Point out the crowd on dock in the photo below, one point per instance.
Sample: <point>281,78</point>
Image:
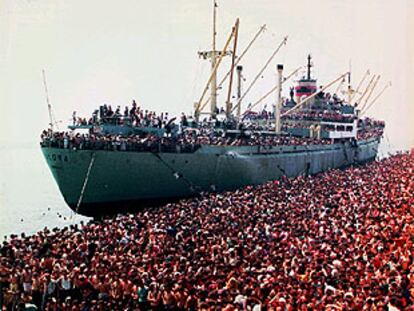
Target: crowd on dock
<point>341,240</point>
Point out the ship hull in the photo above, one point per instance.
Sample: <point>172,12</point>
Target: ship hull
<point>101,182</point>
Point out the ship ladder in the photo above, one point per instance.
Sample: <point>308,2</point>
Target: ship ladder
<point>346,160</point>
<point>85,182</point>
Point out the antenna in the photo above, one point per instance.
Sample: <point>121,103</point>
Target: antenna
<point>349,82</point>
<point>309,66</point>
<point>214,25</point>
<point>49,107</point>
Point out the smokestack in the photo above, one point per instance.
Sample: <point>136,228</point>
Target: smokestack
<point>239,70</point>
<point>278,104</point>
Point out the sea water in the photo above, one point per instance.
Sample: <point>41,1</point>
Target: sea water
<point>29,197</point>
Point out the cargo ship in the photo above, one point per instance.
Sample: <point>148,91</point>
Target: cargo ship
<point>118,161</point>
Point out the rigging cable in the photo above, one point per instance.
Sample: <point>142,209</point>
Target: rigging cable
<point>176,174</point>
<point>85,182</point>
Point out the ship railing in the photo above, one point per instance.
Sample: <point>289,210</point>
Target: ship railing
<point>116,120</point>
<point>155,147</point>
<point>308,118</point>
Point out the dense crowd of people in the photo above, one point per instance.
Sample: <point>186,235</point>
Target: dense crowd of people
<point>184,142</point>
<point>134,116</point>
<point>186,136</point>
<point>368,133</point>
<point>327,110</point>
<point>188,141</point>
<point>340,240</point>
<point>370,123</point>
<point>316,115</point>
<point>370,128</point>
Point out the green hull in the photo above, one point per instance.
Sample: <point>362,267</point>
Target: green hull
<point>119,178</point>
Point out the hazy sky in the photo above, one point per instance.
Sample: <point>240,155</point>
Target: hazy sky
<point>98,52</point>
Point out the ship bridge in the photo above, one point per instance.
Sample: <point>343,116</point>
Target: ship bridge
<point>338,130</point>
<point>306,86</point>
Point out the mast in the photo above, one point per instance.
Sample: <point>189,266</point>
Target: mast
<point>49,106</point>
<point>239,82</point>
<point>233,58</point>
<point>215,58</point>
<point>213,55</point>
<point>239,58</point>
<point>199,106</point>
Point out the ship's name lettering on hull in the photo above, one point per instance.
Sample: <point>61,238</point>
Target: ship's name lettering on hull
<point>57,157</point>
